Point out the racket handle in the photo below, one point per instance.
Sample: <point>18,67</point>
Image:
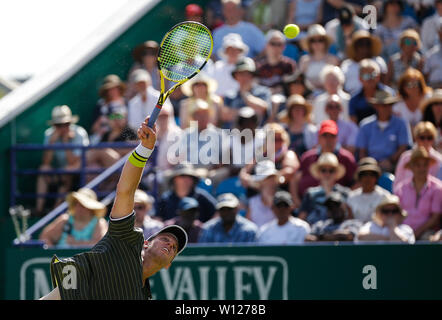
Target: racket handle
<point>154,116</point>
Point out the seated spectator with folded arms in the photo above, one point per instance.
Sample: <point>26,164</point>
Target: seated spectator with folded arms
<point>337,227</point>
<point>228,226</point>
<point>284,229</point>
<point>363,201</point>
<point>386,224</point>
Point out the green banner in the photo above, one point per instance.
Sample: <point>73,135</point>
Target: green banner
<point>266,273</point>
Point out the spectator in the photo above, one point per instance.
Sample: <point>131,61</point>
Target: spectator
<point>347,130</point>
<point>338,226</point>
<point>363,46</point>
<point>430,28</point>
<point>143,205</point>
<point>271,68</point>
<point>386,224</point>
<point>302,133</point>
<point>188,212</point>
<point>112,93</point>
<point>393,24</point>
<point>421,196</point>
<point>203,88</point>
<point>267,14</point>
<point>297,84</point>
<point>328,142</point>
<point>332,9</point>
<point>369,75</point>
<point>249,93</point>
<point>232,51</point>
<point>407,57</point>
<point>63,130</point>
<point>194,13</point>
<point>432,112</point>
<point>266,181</point>
<point>413,91</point>
<point>327,170</point>
<point>145,57</point>
<point>332,79</point>
<point>83,224</point>
<point>284,229</point>
<point>183,182</point>
<point>433,62</point>
<point>119,132</point>
<point>145,100</point>
<point>363,200</point>
<point>436,237</point>
<point>251,35</point>
<point>304,13</point>
<point>383,136</point>
<point>228,226</point>
<point>342,27</point>
<point>316,43</point>
<point>424,135</point>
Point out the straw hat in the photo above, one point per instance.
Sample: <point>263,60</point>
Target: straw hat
<point>376,43</point>
<point>383,97</point>
<point>111,81</point>
<point>419,153</point>
<point>295,100</point>
<point>368,164</point>
<point>327,159</point>
<point>211,84</point>
<point>62,114</point>
<point>186,169</point>
<point>88,199</point>
<point>410,33</point>
<point>436,97</point>
<point>391,199</point>
<point>315,30</point>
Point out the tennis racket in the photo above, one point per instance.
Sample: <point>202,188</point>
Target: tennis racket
<point>183,53</point>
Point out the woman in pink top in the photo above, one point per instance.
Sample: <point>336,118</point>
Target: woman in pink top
<point>421,196</point>
<point>424,134</point>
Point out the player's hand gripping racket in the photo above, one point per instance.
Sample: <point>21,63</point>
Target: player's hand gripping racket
<point>184,51</point>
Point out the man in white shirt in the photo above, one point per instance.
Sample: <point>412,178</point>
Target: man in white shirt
<point>363,201</point>
<point>142,104</point>
<point>285,229</point>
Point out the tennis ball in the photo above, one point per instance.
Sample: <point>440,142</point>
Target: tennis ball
<point>291,31</point>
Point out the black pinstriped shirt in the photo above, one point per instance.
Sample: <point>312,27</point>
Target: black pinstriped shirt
<point>111,270</point>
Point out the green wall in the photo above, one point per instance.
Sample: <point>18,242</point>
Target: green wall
<point>269,273</point>
<point>80,93</point>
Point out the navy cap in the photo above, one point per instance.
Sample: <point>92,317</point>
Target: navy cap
<point>188,203</point>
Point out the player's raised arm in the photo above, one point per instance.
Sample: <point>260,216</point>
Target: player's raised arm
<point>132,171</point>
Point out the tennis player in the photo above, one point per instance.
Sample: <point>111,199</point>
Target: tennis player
<point>120,264</point>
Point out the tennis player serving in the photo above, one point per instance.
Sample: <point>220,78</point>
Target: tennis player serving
<point>120,264</point>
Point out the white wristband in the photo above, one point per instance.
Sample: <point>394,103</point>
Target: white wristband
<point>143,151</point>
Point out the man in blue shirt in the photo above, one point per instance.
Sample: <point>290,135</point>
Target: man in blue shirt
<point>383,136</point>
<point>228,227</point>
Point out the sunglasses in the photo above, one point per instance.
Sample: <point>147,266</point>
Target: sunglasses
<point>117,116</point>
<point>390,211</point>
<point>369,76</point>
<point>410,42</point>
<point>412,84</point>
<point>325,170</point>
<point>313,40</point>
<point>428,138</point>
<point>62,125</point>
<point>282,205</point>
<point>368,174</point>
<point>276,44</point>
<point>139,207</point>
<point>333,106</point>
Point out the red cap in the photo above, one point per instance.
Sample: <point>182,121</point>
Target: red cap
<point>328,126</point>
<point>193,10</point>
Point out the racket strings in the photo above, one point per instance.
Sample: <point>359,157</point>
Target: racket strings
<point>184,51</point>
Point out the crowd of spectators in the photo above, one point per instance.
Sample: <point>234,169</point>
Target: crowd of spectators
<point>354,112</point>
